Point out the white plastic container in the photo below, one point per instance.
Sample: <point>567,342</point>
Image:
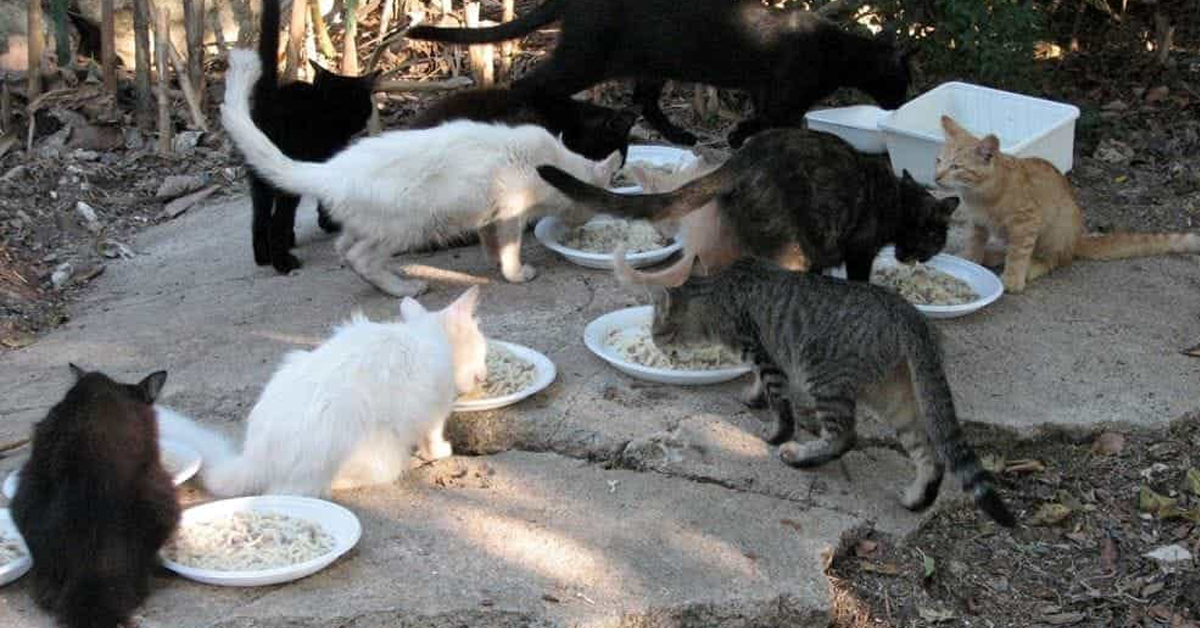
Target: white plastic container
<point>1026,126</point>
<point>858,125</point>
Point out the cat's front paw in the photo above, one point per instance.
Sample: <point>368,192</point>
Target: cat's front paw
<point>439,450</point>
<point>805,455</point>
<point>523,274</point>
<point>285,263</point>
<point>1013,283</point>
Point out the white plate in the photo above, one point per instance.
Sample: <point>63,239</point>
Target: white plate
<point>659,155</point>
<point>188,457</point>
<point>18,567</point>
<point>335,520</point>
<point>545,374</point>
<point>596,333</point>
<point>549,231</point>
<point>984,282</point>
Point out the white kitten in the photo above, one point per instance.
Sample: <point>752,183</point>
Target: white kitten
<point>349,412</point>
<point>405,189</point>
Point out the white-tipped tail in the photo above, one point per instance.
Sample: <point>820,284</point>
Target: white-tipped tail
<point>223,471</point>
<point>261,154</point>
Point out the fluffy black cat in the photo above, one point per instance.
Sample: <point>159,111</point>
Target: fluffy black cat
<point>588,129</point>
<point>94,503</point>
<point>786,58</point>
<point>311,122</point>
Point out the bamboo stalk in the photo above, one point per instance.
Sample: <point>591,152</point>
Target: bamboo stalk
<point>141,41</point>
<point>193,24</point>
<point>456,82</point>
<point>108,54</point>
<point>321,31</point>
<point>295,39</point>
<point>162,44</point>
<point>185,85</point>
<point>349,43</point>
<point>34,47</point>
<point>62,41</point>
<point>218,30</point>
<point>5,104</point>
<point>508,49</point>
<point>385,19</point>
<point>481,55</point>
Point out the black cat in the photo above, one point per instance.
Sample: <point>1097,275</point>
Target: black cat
<point>588,129</point>
<point>94,503</point>
<point>308,122</point>
<point>786,58</point>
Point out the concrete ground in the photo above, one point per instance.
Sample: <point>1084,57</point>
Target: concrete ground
<point>602,501</point>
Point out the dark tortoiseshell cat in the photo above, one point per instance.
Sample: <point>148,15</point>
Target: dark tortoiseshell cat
<point>819,342</point>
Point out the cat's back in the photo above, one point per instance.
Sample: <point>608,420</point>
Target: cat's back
<point>378,350</point>
<point>481,105</point>
<point>309,123</point>
<point>1042,180</point>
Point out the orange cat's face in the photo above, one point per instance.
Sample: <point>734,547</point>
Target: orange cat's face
<point>965,162</point>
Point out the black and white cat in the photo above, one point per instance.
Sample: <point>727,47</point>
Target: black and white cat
<point>306,121</point>
<point>787,59</point>
<point>405,189</point>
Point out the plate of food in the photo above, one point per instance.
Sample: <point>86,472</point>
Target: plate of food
<point>946,286</point>
<point>591,245</point>
<point>14,556</point>
<point>514,373</point>
<point>255,541</point>
<point>179,460</point>
<point>654,157</point>
<point>622,338</point>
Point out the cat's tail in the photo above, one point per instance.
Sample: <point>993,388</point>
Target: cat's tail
<point>645,206</point>
<point>941,423</point>
<point>297,177</point>
<point>268,50</point>
<point>223,471</point>
<point>1109,246</point>
<point>545,13</point>
<point>674,275</point>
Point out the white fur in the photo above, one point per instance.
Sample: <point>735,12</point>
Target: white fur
<point>349,412</point>
<point>404,189</point>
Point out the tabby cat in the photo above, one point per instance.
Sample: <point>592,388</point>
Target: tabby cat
<point>1029,201</point>
<point>821,342</point>
<point>804,199</point>
<point>786,58</point>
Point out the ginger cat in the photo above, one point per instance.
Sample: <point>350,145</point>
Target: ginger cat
<point>1033,206</point>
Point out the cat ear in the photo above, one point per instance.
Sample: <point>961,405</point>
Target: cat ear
<point>78,372</point>
<point>318,71</point>
<point>621,121</point>
<point>611,164</point>
<point>906,177</point>
<point>152,385</point>
<point>951,127</point>
<point>410,309</point>
<point>464,305</point>
<point>947,205</point>
<point>988,147</point>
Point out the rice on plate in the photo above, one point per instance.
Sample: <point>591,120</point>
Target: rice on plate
<point>10,549</point>
<point>636,345</point>
<point>506,374</point>
<point>922,284</point>
<point>603,236</point>
<point>248,541</point>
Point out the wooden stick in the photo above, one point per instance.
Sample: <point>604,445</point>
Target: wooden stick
<point>321,31</point>
<point>385,18</point>
<point>456,82</point>
<point>16,444</point>
<point>34,48</point>
<point>108,54</point>
<point>349,43</point>
<point>5,105</point>
<point>62,41</point>
<point>185,85</point>
<point>162,44</point>
<point>481,55</point>
<point>193,24</point>
<point>141,40</point>
<point>508,49</point>
<point>295,39</point>
<point>214,19</point>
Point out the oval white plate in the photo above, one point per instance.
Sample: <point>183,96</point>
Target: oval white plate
<point>596,332</point>
<point>18,567</point>
<point>545,374</point>
<point>549,231</point>
<point>984,282</point>
<point>335,520</point>
<point>188,457</point>
<point>658,155</point>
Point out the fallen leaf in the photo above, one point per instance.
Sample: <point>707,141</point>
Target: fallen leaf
<point>1170,554</point>
<point>1193,352</point>
<point>1049,514</point>
<point>17,339</point>
<point>1160,506</point>
<point>936,616</point>
<point>886,569</point>
<point>864,547</point>
<point>1157,93</point>
<point>1108,554</point>
<point>1192,480</point>
<point>1109,444</point>
<point>1063,619</point>
<point>1024,466</point>
<point>1152,588</point>
<point>993,463</point>
<point>550,598</point>
<point>1121,179</point>
<point>930,566</point>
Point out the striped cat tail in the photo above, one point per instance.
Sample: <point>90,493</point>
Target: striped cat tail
<point>941,423</point>
<point>639,206</point>
<point>1110,246</point>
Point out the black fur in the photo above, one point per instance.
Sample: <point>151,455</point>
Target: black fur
<point>94,503</point>
<point>786,58</point>
<point>310,122</point>
<point>590,130</point>
<point>794,189</point>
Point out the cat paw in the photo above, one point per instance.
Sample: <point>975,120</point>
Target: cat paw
<point>526,273</point>
<point>1012,283</point>
<point>805,455</point>
<point>437,451</point>
<point>285,263</point>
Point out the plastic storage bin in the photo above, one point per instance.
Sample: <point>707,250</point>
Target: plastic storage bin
<point>858,125</point>
<point>1026,126</point>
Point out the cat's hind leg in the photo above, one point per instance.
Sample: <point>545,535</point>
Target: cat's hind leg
<point>433,444</point>
<point>380,459</point>
<point>262,199</point>
<point>646,93</point>
<point>508,235</point>
<point>283,234</point>
<point>370,258</point>
<point>895,401</point>
<point>835,406</point>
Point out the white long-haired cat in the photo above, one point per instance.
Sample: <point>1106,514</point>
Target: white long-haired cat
<point>404,189</point>
<point>350,412</point>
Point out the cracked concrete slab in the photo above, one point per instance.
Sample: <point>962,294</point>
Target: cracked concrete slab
<point>1096,342</point>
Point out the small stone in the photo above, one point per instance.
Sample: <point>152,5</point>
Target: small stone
<point>1170,554</point>
<point>89,216</point>
<point>61,275</point>
<point>185,142</point>
<point>1116,105</point>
